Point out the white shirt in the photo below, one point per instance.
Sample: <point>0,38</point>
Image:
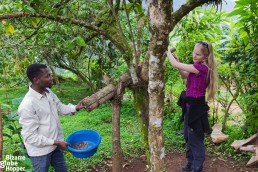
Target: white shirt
<point>40,122</point>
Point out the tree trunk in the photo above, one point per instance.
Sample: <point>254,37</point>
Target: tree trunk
<point>117,154</point>
<point>226,114</point>
<point>142,106</point>
<point>159,22</point>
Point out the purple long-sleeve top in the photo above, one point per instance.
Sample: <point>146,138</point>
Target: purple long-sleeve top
<point>196,83</point>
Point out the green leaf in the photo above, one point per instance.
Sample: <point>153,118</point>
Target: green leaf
<point>235,12</point>
<point>7,7</point>
<point>138,8</point>
<point>80,41</point>
<point>243,2</point>
<point>129,6</point>
<point>30,9</point>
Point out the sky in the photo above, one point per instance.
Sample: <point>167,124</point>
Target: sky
<point>227,5</point>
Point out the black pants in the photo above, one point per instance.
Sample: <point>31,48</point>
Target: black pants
<point>195,149</point>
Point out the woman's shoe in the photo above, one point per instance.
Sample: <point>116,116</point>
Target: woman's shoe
<point>186,167</point>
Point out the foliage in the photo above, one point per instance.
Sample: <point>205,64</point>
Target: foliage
<point>69,47</point>
<point>199,24</point>
<point>242,57</point>
<point>12,133</point>
<point>86,52</point>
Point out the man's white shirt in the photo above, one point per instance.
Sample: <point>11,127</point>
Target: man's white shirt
<point>40,122</point>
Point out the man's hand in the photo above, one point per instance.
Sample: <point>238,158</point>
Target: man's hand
<point>62,144</point>
<point>79,106</point>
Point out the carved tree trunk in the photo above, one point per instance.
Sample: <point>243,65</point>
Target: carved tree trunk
<point>117,154</point>
<point>159,22</point>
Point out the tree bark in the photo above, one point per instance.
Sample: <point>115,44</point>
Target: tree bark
<point>117,154</point>
<point>141,97</point>
<point>159,21</point>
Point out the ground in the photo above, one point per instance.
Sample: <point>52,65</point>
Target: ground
<point>176,159</point>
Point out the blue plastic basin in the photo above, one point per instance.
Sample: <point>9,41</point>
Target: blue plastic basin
<point>91,136</point>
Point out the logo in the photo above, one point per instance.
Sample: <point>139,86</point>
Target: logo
<point>11,163</point>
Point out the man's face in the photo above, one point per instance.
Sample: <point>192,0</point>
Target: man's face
<point>44,80</point>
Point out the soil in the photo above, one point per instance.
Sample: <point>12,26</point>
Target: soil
<point>175,160</point>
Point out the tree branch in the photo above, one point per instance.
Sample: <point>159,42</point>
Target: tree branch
<point>188,7</point>
<point>61,19</point>
<point>131,31</point>
<point>113,38</point>
<point>109,33</point>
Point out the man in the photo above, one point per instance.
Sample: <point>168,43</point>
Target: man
<point>41,129</point>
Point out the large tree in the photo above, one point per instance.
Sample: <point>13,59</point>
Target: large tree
<point>125,25</point>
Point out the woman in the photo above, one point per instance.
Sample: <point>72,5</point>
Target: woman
<point>201,76</point>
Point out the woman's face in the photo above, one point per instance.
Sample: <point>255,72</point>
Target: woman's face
<point>198,55</point>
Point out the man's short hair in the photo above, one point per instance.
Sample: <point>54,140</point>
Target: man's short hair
<point>34,70</point>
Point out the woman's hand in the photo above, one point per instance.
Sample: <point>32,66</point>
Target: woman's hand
<point>173,59</point>
<point>175,56</point>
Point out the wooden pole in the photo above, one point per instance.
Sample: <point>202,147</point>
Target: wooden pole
<point>117,153</point>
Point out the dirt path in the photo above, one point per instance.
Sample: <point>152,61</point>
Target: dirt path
<point>212,164</point>
<point>175,160</point>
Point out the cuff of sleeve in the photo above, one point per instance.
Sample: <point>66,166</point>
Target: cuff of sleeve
<point>73,108</point>
<point>50,142</point>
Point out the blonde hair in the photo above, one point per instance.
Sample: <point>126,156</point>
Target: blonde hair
<point>210,61</point>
